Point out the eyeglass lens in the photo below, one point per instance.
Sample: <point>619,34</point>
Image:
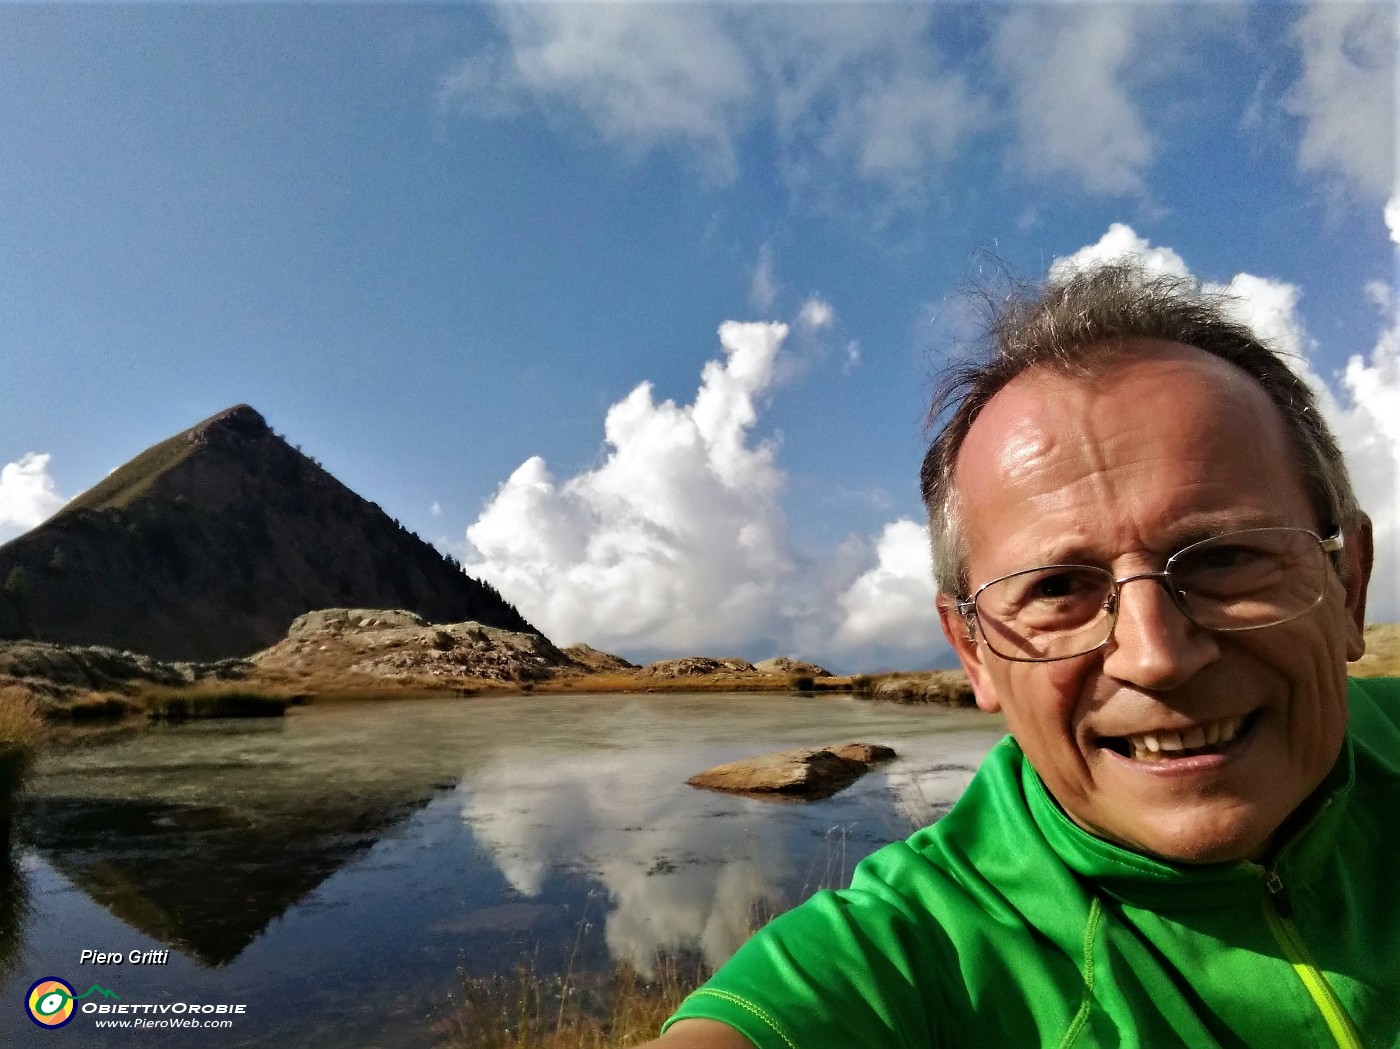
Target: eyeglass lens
<point>1239,581</point>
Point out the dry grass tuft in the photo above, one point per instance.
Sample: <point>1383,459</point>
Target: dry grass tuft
<point>1382,658</point>
<point>21,733</point>
<point>527,1011</point>
<point>21,723</point>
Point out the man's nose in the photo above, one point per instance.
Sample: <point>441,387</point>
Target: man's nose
<point>1154,646</point>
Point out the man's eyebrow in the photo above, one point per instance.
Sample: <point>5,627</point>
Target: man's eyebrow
<point>1191,528</point>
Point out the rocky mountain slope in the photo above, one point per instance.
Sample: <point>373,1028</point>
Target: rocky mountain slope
<point>207,546</point>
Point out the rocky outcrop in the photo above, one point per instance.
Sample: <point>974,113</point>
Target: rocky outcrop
<point>790,668</point>
<point>59,670</point>
<point>697,666</point>
<point>398,645</point>
<point>803,773</point>
<point>594,661</point>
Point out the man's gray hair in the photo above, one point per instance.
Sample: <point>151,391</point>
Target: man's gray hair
<point>1076,325</point>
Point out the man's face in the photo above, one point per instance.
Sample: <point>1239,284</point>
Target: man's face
<point>1170,447</point>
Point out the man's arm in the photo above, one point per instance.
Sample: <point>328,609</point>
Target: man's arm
<point>699,1034</point>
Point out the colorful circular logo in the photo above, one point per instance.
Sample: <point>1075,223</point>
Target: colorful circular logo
<point>50,1002</point>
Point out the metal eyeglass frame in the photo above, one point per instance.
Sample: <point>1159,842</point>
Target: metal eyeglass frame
<point>968,608</point>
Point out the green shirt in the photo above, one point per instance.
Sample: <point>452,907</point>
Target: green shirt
<point>1005,924</point>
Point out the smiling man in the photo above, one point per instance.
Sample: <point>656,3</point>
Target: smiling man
<point>1150,560</point>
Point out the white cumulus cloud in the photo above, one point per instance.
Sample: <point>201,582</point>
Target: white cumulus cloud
<point>1119,243</point>
<point>890,604</point>
<point>28,494</point>
<point>675,541</point>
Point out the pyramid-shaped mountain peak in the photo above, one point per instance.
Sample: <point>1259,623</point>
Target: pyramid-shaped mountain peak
<point>208,544</point>
<point>241,420</point>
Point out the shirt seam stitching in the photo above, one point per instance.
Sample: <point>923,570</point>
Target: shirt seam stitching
<point>734,999</point>
<point>1086,1002</point>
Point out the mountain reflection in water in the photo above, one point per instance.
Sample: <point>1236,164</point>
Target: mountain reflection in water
<point>336,869</point>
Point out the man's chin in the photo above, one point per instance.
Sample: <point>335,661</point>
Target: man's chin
<point>1200,838</point>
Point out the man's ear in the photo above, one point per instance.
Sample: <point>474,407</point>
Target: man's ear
<point>962,635</point>
<point>1358,555</point>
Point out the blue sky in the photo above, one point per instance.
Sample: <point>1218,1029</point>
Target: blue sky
<point>442,248</point>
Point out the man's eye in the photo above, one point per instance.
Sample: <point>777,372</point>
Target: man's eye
<point>1056,586</point>
<point>1225,558</point>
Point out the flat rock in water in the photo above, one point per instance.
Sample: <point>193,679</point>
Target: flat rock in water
<point>807,772</point>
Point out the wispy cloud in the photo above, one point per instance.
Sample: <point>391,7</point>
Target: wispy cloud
<point>845,93</point>
<point>884,96</point>
<point>1067,68</point>
<point>763,286</point>
<point>1346,94</point>
<point>28,495</point>
<point>816,314</point>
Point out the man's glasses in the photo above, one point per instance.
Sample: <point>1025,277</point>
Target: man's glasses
<point>1238,581</point>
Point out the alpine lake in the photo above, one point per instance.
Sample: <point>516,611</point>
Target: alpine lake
<point>341,871</point>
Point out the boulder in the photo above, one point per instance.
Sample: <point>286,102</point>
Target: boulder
<point>865,753</point>
<point>782,666</point>
<point>808,772</point>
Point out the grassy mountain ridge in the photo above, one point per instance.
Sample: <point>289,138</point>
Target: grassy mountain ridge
<point>208,544</point>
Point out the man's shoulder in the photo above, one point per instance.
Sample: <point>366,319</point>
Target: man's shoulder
<point>987,847</point>
<point>1374,724</point>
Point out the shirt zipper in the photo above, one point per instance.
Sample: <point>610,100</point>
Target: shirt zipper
<point>1279,913</point>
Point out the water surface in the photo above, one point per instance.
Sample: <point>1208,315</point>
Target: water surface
<point>338,871</point>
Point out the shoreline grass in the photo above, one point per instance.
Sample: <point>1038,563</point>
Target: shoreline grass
<point>21,735</point>
<point>187,704</point>
<point>527,1010</point>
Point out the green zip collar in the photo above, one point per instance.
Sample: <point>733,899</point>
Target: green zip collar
<point>1143,881</point>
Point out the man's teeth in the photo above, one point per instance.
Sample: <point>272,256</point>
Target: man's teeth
<point>1154,746</point>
